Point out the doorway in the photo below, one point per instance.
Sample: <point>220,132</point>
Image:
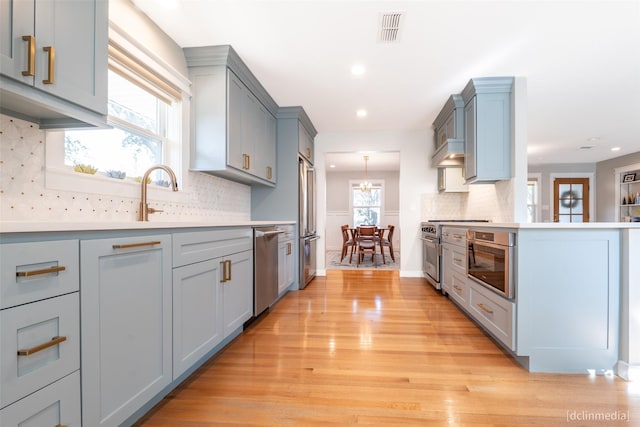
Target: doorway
<point>344,173</point>
<point>571,200</point>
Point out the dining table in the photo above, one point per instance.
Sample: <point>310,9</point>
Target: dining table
<point>378,237</point>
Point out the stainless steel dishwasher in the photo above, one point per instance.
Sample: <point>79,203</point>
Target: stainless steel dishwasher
<point>265,276</point>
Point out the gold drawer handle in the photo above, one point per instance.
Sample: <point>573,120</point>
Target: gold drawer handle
<point>31,56</point>
<point>308,153</point>
<point>458,260</point>
<point>40,272</point>
<point>246,162</point>
<point>32,350</point>
<point>226,271</point>
<point>136,245</point>
<point>61,425</point>
<point>457,288</point>
<point>269,172</point>
<point>51,64</point>
<point>485,309</point>
<point>288,248</point>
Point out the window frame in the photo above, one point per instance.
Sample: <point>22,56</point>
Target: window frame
<point>59,176</point>
<point>375,183</point>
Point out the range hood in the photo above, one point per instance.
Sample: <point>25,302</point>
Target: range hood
<point>449,134</point>
<point>450,154</point>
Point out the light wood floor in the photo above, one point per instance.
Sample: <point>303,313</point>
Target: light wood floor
<point>360,347</point>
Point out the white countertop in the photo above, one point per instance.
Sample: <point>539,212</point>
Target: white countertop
<point>43,226</point>
<point>545,225</point>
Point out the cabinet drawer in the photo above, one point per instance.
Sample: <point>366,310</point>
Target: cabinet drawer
<point>31,328</point>
<point>38,270</point>
<point>454,236</point>
<point>459,289</point>
<point>192,247</point>
<point>495,313</point>
<point>55,405</point>
<point>288,233</point>
<point>458,260</point>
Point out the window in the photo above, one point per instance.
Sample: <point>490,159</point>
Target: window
<point>532,200</point>
<point>366,206</point>
<point>142,134</point>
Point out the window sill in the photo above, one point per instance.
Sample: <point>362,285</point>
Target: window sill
<point>66,179</point>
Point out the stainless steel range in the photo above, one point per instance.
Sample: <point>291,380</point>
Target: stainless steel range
<point>430,234</point>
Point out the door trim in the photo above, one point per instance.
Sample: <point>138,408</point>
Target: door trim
<point>592,196</point>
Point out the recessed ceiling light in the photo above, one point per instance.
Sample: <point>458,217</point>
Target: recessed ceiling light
<point>615,149</point>
<point>361,113</point>
<point>358,70</point>
<point>332,166</point>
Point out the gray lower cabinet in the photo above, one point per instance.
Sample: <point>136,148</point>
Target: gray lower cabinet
<point>492,312</point>
<point>487,129</point>
<point>286,259</point>
<point>212,291</point>
<point>39,334</point>
<point>233,124</point>
<point>126,325</point>
<point>53,61</point>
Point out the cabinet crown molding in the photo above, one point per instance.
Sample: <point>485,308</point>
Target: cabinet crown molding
<point>226,56</point>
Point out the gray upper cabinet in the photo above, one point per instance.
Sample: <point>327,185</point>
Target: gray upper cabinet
<point>233,125</point>
<point>448,129</point>
<point>488,129</point>
<point>305,143</point>
<point>53,61</point>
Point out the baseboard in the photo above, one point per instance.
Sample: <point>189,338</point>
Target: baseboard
<point>628,372</point>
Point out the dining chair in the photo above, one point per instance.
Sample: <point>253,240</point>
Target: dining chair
<point>348,242</point>
<point>366,243</point>
<point>388,242</point>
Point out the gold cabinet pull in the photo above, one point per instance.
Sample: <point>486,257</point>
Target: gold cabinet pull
<point>51,64</point>
<point>31,56</point>
<point>61,425</point>
<point>136,245</point>
<point>40,272</point>
<point>246,162</point>
<point>32,350</point>
<point>308,153</point>
<point>485,309</point>
<point>269,172</point>
<point>288,248</point>
<point>457,288</point>
<point>226,271</point>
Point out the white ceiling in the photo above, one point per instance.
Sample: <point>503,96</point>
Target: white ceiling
<point>581,60</point>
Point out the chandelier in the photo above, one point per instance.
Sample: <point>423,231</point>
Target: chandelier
<point>365,186</point>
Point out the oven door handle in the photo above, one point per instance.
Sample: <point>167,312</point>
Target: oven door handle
<point>473,242</point>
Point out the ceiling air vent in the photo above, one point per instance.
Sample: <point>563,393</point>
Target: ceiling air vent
<point>390,27</point>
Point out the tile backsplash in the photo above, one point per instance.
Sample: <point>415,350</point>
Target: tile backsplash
<point>483,201</point>
<point>25,197</point>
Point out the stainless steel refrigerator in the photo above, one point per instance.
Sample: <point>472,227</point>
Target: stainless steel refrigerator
<point>307,221</point>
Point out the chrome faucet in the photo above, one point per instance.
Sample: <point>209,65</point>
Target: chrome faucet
<point>145,210</point>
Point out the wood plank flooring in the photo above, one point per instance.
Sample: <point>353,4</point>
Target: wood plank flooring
<point>370,348</point>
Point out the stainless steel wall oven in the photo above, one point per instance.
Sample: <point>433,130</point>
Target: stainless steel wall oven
<point>490,260</point>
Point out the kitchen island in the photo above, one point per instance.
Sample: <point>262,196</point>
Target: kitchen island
<point>575,294</point>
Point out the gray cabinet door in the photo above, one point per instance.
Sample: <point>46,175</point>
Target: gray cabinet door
<point>237,290</point>
<point>236,150</point>
<point>125,300</point>
<point>16,21</point>
<point>197,313</point>
<point>470,139</point>
<point>69,56</point>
